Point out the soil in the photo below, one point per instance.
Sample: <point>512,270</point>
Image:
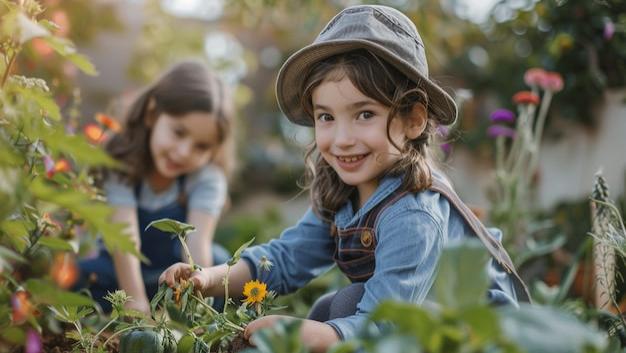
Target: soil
<point>60,344</point>
<point>236,345</point>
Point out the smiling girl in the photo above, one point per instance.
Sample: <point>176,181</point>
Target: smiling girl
<point>176,150</point>
<point>380,210</point>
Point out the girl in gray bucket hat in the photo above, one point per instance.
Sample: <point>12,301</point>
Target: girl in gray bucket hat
<point>380,212</point>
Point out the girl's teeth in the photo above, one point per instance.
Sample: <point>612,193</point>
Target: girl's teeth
<point>350,159</point>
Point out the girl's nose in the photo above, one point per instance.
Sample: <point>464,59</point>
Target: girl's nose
<point>184,149</point>
<point>344,136</point>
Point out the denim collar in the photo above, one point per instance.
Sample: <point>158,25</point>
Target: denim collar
<point>346,217</point>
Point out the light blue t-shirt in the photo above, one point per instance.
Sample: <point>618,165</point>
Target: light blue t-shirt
<point>206,189</point>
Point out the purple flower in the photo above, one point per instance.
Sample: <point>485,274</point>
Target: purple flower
<point>446,148</point>
<point>33,342</point>
<point>443,130</point>
<point>500,130</point>
<point>609,29</point>
<point>502,116</point>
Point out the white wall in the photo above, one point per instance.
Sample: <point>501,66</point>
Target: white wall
<point>567,166</point>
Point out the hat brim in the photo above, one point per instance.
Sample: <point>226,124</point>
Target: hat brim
<point>441,105</point>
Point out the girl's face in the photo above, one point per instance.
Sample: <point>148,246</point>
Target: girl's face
<point>351,134</point>
<point>182,144</point>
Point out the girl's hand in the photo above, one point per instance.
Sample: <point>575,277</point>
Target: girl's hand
<point>261,323</point>
<point>202,280</point>
<point>315,335</point>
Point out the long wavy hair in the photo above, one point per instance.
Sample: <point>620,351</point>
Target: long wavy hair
<point>186,87</point>
<point>384,83</point>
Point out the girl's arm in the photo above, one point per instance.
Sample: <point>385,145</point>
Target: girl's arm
<point>199,242</point>
<point>127,266</point>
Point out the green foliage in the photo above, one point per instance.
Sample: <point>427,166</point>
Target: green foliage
<point>48,196</point>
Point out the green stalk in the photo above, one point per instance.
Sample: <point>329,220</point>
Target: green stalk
<point>182,238</point>
<point>226,288</point>
<point>5,75</point>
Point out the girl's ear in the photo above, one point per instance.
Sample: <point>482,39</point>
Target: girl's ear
<point>415,122</point>
<point>150,114</point>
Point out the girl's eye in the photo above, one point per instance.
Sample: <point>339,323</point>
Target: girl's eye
<point>179,133</point>
<point>325,117</point>
<point>366,115</point>
<point>203,147</point>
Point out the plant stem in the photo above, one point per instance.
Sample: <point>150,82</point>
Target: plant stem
<point>181,238</point>
<point>226,288</point>
<point>7,71</point>
<point>95,338</point>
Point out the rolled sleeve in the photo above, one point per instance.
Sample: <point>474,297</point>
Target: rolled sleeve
<point>408,250</point>
<point>300,254</point>
<point>207,190</point>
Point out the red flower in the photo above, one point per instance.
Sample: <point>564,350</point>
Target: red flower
<point>41,47</point>
<point>526,97</point>
<point>63,270</point>
<point>535,76</point>
<point>93,133</point>
<point>553,82</point>
<point>108,122</point>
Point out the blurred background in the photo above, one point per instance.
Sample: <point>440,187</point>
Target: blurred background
<point>477,49</point>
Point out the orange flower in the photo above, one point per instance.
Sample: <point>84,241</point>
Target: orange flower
<point>109,122</point>
<point>64,271</point>
<point>526,97</point>
<point>62,166</point>
<point>94,133</point>
<point>22,307</point>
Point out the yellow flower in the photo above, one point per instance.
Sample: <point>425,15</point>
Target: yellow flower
<point>254,291</point>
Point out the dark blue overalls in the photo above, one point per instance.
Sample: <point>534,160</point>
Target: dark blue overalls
<point>98,274</point>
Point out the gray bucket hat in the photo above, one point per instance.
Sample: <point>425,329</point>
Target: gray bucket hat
<point>382,30</point>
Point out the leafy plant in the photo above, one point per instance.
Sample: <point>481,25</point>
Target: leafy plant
<point>48,197</point>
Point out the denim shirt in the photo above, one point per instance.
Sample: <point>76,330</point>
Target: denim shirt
<point>410,235</point>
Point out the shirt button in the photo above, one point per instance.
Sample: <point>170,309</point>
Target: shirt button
<point>366,238</point>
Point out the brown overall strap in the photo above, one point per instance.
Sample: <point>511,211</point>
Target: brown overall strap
<point>494,247</point>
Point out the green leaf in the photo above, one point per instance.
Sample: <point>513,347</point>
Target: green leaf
<point>43,100</point>
<point>462,275</point>
<point>237,255</point>
<point>55,243</point>
<point>540,329</point>
<point>83,63</point>
<point>46,293</point>
<point>7,257</point>
<point>17,233</point>
<point>483,321</point>
<point>171,226</point>
<point>407,318</point>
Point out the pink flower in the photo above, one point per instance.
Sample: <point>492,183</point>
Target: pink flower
<point>534,77</point>
<point>553,82</point>
<point>33,342</point>
<point>609,29</point>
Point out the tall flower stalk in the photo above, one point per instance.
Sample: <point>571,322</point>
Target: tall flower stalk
<point>517,148</point>
<point>609,244</point>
